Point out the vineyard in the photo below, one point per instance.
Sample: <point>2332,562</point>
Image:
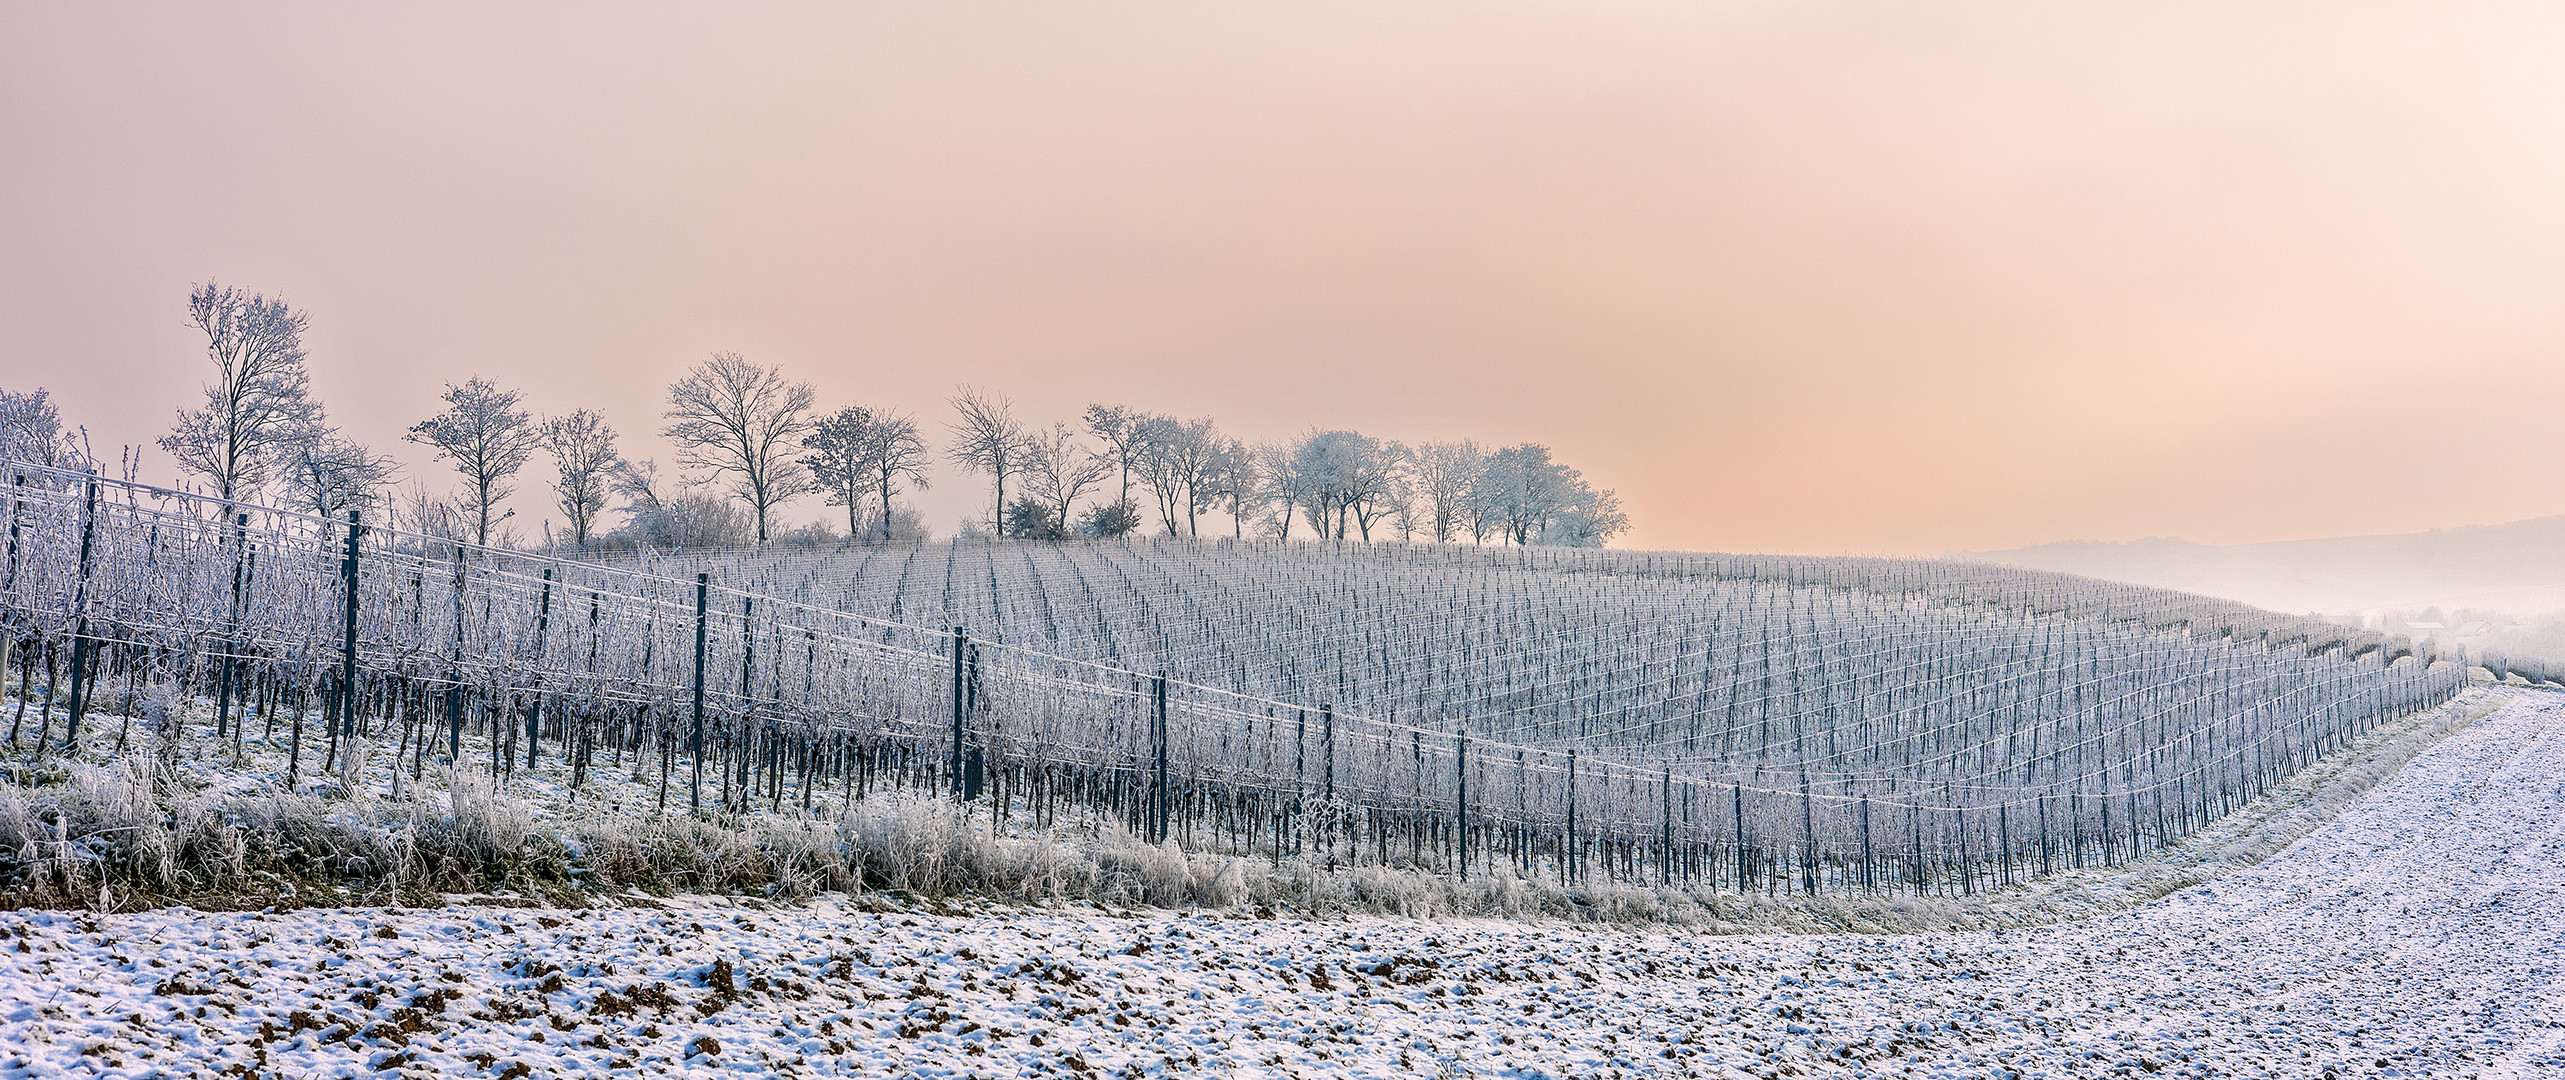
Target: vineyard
<point>1800,724</point>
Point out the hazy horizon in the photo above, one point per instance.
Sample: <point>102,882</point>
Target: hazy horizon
<point>1821,279</point>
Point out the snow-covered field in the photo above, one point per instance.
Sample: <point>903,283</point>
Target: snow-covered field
<point>2417,935</point>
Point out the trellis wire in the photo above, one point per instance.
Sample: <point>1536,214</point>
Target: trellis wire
<point>1814,725</point>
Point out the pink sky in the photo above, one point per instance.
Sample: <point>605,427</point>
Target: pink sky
<point>1866,277</point>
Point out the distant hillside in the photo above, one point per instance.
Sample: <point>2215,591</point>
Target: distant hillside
<point>2517,568</point>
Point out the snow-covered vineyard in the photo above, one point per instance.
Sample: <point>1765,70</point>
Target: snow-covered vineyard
<point>2417,935</point>
<point>1819,725</point>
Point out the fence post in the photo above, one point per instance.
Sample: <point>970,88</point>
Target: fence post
<point>695,743</point>
<point>974,757</point>
<point>1158,741</point>
<point>1461,802</point>
<point>1737,791</point>
<point>347,641</point>
<point>1327,780</point>
<point>1869,878</point>
<point>747,651</point>
<point>454,693</point>
<point>1521,833</point>
<point>1298,820</point>
<point>961,641</point>
<point>2004,839</point>
<point>1567,859</point>
<point>1327,748</point>
<point>1959,824</point>
<point>80,632</point>
<point>1665,827</point>
<point>2045,848</point>
<point>542,631</point>
<point>1807,836</point>
<point>1915,827</point>
<point>231,627</point>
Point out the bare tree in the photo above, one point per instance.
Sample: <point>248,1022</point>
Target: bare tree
<point>1590,518</point>
<point>31,431</point>
<point>1237,476</point>
<point>1156,436</point>
<point>1445,473</point>
<point>1535,500</point>
<point>1484,510</point>
<point>1313,465</point>
<point>329,476</point>
<point>585,464</point>
<point>839,468</point>
<point>857,453</point>
<point>737,420</point>
<point>1285,485</point>
<point>488,439</point>
<point>1395,501</point>
<point>1521,491</point>
<point>1375,484</point>
<point>1125,440</point>
<point>259,403</point>
<point>639,484</point>
<point>897,452</point>
<point>1178,464</point>
<point>1059,472</point>
<point>987,438</point>
<point>1346,481</point>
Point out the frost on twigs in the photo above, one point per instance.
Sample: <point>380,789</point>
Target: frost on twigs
<point>213,841</point>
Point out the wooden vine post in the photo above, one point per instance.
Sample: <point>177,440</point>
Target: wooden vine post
<point>1461,802</point>
<point>231,626</point>
<point>534,707</point>
<point>695,742</point>
<point>1665,827</point>
<point>1568,863</point>
<point>347,639</point>
<point>961,644</point>
<point>454,689</point>
<point>1158,745</point>
<point>80,631</point>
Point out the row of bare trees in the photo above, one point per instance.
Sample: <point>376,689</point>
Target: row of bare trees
<point>749,440</point>
<point>1339,484</point>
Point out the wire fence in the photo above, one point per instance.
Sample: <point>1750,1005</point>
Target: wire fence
<point>1819,725</point>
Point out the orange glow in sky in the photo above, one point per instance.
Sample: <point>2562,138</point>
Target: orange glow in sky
<point>1857,277</point>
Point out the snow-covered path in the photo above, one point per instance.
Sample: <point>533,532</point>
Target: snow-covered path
<point>2417,935</point>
